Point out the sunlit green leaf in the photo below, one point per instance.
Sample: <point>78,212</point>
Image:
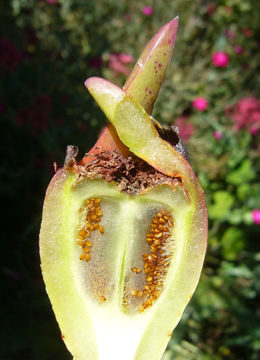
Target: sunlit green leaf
<point>232,243</point>
<point>223,201</point>
<point>243,174</point>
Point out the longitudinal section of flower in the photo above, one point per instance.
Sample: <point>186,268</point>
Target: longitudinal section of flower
<point>130,262</point>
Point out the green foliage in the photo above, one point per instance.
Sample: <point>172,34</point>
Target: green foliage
<point>47,51</point>
<point>243,174</point>
<point>232,243</point>
<point>223,201</point>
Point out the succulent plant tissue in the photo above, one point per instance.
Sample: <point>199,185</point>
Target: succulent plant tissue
<point>124,230</point>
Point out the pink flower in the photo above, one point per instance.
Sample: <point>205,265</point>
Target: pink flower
<point>256,216</point>
<point>200,103</point>
<point>230,34</point>
<point>246,113</point>
<point>254,129</point>
<point>147,10</point>
<point>125,58</point>
<point>248,104</point>
<point>52,2</point>
<point>220,59</point>
<point>238,49</point>
<point>217,135</point>
<point>118,62</point>
<point>185,127</point>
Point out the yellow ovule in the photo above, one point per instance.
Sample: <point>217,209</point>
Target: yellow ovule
<point>156,260</point>
<point>93,214</point>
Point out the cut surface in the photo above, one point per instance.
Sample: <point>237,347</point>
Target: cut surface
<point>113,261</point>
<point>146,253</point>
<point>131,174</point>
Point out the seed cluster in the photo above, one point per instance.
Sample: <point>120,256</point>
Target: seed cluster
<point>93,214</point>
<point>136,270</point>
<point>157,261</point>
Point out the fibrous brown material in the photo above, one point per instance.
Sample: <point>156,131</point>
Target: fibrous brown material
<point>132,174</point>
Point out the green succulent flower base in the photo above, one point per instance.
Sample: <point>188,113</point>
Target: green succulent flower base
<point>93,329</point>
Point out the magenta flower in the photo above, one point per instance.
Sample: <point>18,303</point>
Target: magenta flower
<point>254,129</point>
<point>238,49</point>
<point>220,59</point>
<point>117,65</point>
<point>256,216</point>
<point>147,10</point>
<point>185,127</point>
<point>217,135</point>
<point>52,2</point>
<point>246,113</point>
<point>125,58</point>
<point>200,103</point>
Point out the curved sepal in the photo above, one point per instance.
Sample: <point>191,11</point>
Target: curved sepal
<point>145,80</point>
<point>143,83</point>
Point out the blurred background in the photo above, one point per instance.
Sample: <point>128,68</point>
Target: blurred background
<point>47,49</point>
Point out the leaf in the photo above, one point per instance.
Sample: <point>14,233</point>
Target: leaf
<point>232,243</point>
<point>243,174</point>
<point>243,191</point>
<point>223,201</point>
<point>238,271</point>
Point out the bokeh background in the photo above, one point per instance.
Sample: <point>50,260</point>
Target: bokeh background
<point>47,49</point>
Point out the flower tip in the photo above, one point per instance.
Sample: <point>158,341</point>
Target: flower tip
<point>89,82</point>
<point>174,21</point>
<point>169,30</point>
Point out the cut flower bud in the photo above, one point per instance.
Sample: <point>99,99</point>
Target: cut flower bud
<point>124,230</point>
